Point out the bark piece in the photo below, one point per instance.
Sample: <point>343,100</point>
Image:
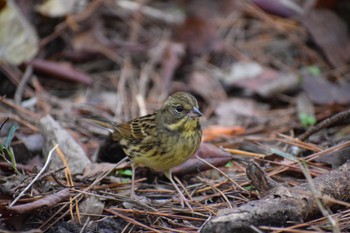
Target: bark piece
<point>259,178</point>
<point>46,202</point>
<point>284,205</point>
<point>53,133</point>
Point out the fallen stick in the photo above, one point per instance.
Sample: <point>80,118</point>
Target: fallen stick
<point>283,205</point>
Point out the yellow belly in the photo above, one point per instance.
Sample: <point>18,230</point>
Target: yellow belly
<point>176,152</point>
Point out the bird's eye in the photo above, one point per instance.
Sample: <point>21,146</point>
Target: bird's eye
<point>179,108</point>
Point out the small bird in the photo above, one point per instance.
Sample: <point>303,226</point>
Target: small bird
<point>161,140</point>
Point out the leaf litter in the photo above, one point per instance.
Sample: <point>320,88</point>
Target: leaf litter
<point>246,66</point>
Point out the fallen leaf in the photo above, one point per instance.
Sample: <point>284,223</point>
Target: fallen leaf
<point>60,71</point>
<point>56,8</point>
<point>210,87</point>
<point>335,159</point>
<point>199,34</point>
<point>264,81</point>
<point>323,92</point>
<point>91,208</point>
<point>330,33</point>
<point>210,153</point>
<point>18,40</point>
<point>284,8</point>
<point>236,111</point>
<point>218,131</point>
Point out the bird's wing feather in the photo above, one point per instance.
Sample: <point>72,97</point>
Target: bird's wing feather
<point>100,121</point>
<point>137,129</point>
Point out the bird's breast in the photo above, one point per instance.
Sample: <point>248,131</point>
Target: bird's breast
<point>170,151</point>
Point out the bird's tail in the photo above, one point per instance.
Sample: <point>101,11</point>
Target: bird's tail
<point>101,121</point>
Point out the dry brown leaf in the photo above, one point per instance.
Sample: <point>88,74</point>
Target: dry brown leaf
<point>264,81</point>
<point>210,153</point>
<point>218,131</point>
<point>236,111</point>
<point>322,91</point>
<point>61,71</point>
<point>331,34</point>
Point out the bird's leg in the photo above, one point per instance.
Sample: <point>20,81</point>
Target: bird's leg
<point>143,201</point>
<point>183,199</point>
<point>133,195</point>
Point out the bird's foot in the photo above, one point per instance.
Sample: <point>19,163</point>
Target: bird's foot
<point>184,201</point>
<point>139,199</point>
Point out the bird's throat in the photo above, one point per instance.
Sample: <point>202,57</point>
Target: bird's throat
<point>184,124</point>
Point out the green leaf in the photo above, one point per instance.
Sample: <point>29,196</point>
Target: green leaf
<point>12,159</point>
<point>125,180</point>
<point>314,70</point>
<point>126,172</point>
<point>229,164</point>
<point>10,135</point>
<point>6,150</point>
<point>307,120</point>
<point>249,188</point>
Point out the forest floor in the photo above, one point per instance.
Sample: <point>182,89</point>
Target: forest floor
<point>263,76</point>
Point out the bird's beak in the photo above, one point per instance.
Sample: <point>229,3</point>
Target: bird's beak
<point>194,113</point>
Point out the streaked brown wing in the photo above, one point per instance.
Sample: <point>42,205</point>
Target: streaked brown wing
<point>138,129</point>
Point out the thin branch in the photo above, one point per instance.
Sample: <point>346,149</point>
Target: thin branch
<point>325,123</point>
<point>47,164</point>
<point>20,88</point>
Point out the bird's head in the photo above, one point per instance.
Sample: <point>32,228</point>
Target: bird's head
<point>179,111</point>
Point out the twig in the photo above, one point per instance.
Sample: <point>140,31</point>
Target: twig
<point>296,142</point>
<point>20,88</point>
<point>244,153</point>
<point>207,220</point>
<point>131,220</point>
<point>151,12</point>
<point>157,214</point>
<point>23,112</point>
<point>91,8</point>
<point>222,173</point>
<point>121,95</point>
<point>330,150</point>
<point>47,163</point>
<point>142,105</point>
<point>21,121</point>
<point>53,174</point>
<point>82,230</point>
<point>45,226</point>
<point>14,74</point>
<point>219,191</point>
<point>59,182</point>
<point>3,123</point>
<point>326,123</point>
<point>317,195</point>
<point>183,187</point>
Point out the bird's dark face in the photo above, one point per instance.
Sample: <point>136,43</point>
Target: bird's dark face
<point>180,110</point>
<point>182,104</point>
